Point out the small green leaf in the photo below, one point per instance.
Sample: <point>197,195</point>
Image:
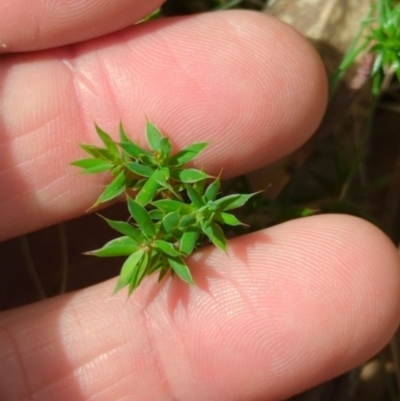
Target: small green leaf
<point>128,269</point>
<point>114,189</point>
<point>108,141</point>
<point>140,169</point>
<point>133,150</point>
<point>156,261</point>
<point>154,136</point>
<point>163,272</point>
<point>212,206</point>
<point>170,221</point>
<point>166,247</point>
<point>199,187</point>
<point>148,160</point>
<point>156,214</point>
<point>142,218</point>
<point>93,166</point>
<point>139,274</point>
<point>215,234</point>
<point>98,153</point>
<point>229,219</point>
<point>122,246</point>
<point>163,176</point>
<point>194,196</point>
<point>126,229</point>
<point>233,201</point>
<point>162,179</point>
<point>212,190</point>
<point>170,205</point>
<point>189,175</point>
<point>116,170</point>
<point>122,134</point>
<point>188,240</point>
<point>180,268</point>
<point>149,189</point>
<point>187,154</point>
<point>187,220</point>
<point>165,146</point>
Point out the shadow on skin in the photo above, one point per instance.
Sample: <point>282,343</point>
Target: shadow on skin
<point>177,293</point>
<point>41,368</point>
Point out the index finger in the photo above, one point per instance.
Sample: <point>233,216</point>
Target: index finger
<point>253,106</point>
<point>34,25</point>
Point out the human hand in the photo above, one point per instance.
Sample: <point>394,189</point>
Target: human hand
<point>285,309</point>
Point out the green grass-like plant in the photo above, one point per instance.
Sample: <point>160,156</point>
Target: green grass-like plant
<point>173,208</point>
<point>380,34</point>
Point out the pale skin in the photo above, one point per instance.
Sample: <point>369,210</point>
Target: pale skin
<point>285,309</point>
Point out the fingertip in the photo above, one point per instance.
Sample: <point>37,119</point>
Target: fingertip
<point>355,267</point>
<point>294,80</point>
<point>379,277</point>
<point>325,290</point>
<point>48,24</point>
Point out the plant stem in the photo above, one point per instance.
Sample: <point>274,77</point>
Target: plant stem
<point>64,257</point>
<point>30,267</point>
<point>361,151</point>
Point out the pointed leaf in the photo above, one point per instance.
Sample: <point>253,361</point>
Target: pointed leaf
<point>126,229</point>
<point>133,150</point>
<point>215,234</point>
<point>108,141</point>
<point>188,240</point>
<point>233,201</point>
<point>148,159</point>
<point>142,218</point>
<point>163,272</point>
<point>165,146</point>
<point>163,175</point>
<point>187,220</point>
<point>189,175</point>
<point>180,268</point>
<point>170,205</point>
<point>187,154</point>
<point>229,219</point>
<point>140,169</point>
<point>149,190</point>
<point>139,273</point>
<point>98,153</point>
<point>199,187</point>
<point>154,136</point>
<point>93,166</point>
<point>194,196</point>
<point>166,247</point>
<point>122,246</point>
<point>156,261</point>
<point>114,189</point>
<point>116,170</point>
<point>162,179</point>
<point>170,221</point>
<point>156,214</point>
<point>212,190</point>
<point>122,134</point>
<point>128,269</point>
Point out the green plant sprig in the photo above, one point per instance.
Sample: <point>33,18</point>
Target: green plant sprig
<point>173,209</point>
<point>380,34</point>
